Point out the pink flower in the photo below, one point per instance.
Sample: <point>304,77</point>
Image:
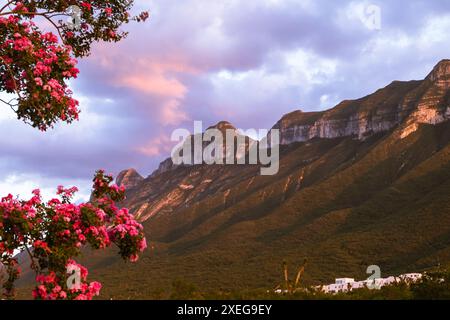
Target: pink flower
<point>86,5</point>
<point>22,43</point>
<point>95,287</point>
<point>38,81</point>
<point>60,190</point>
<point>56,289</point>
<point>42,290</point>
<point>38,244</point>
<point>20,8</point>
<point>41,69</point>
<point>142,245</point>
<point>50,37</point>
<point>31,214</point>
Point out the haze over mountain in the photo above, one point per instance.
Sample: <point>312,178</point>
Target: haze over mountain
<point>366,182</point>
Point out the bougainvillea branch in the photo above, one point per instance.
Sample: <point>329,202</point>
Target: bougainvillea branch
<point>53,233</point>
<point>35,66</point>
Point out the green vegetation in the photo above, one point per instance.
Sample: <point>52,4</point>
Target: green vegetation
<point>382,201</point>
<point>434,286</point>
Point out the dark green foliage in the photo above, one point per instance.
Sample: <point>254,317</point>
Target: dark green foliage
<point>435,285</point>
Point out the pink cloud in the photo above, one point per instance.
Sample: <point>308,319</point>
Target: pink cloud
<point>155,84</point>
<point>158,146</point>
<point>171,113</point>
<point>155,77</point>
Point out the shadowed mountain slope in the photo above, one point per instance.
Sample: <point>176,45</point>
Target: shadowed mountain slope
<point>367,182</point>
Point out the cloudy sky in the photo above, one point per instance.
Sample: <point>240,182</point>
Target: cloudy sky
<point>248,62</point>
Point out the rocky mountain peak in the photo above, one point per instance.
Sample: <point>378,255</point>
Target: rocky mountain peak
<point>223,126</point>
<point>294,113</point>
<point>129,178</point>
<point>441,71</point>
<point>163,167</point>
<point>299,117</point>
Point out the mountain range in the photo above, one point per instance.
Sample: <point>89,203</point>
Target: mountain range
<point>364,183</point>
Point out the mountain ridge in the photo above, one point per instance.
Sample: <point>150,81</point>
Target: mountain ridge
<point>372,189</point>
<point>300,126</point>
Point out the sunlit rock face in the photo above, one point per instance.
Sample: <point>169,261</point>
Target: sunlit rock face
<point>433,106</point>
<point>129,178</point>
<point>164,166</point>
<point>440,75</point>
<point>412,102</point>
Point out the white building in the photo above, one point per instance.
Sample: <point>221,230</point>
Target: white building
<point>410,277</point>
<point>348,284</point>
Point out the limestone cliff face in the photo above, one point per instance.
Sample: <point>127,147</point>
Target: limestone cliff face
<point>400,103</point>
<point>433,107</point>
<point>441,74</point>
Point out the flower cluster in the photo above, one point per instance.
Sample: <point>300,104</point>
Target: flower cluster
<point>49,287</point>
<point>126,233</point>
<point>53,233</point>
<point>35,66</point>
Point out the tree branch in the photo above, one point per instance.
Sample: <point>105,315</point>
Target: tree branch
<point>42,14</point>
<point>5,6</point>
<point>34,266</point>
<point>16,87</point>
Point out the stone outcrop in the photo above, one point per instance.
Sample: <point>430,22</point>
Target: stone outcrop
<point>163,167</point>
<point>129,178</point>
<point>409,103</point>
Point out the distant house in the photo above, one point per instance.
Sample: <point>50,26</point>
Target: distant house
<point>348,284</point>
